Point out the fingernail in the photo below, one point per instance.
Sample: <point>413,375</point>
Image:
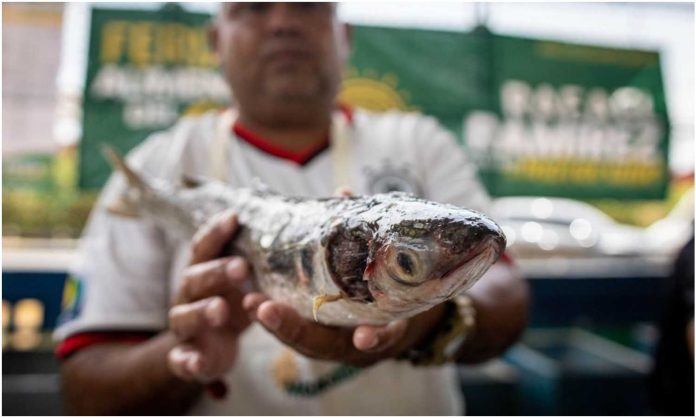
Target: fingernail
<point>369,340</point>
<point>194,363</point>
<point>177,354</point>
<point>218,220</point>
<point>230,220</point>
<point>271,319</point>
<point>235,268</point>
<point>251,303</point>
<point>212,313</point>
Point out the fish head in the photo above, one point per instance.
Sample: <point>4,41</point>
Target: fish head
<point>424,253</point>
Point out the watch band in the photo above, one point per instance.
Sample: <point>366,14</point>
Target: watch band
<point>443,343</point>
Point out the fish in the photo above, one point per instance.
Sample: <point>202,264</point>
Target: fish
<point>338,260</point>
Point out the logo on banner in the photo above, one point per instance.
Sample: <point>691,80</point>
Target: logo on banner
<point>372,92</point>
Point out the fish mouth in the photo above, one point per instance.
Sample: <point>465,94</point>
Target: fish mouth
<point>465,264</point>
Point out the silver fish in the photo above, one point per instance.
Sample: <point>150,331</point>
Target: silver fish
<point>362,259</point>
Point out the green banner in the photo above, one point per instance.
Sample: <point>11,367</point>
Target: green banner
<point>577,121</point>
<point>443,74</point>
<point>538,117</point>
<point>145,69</point>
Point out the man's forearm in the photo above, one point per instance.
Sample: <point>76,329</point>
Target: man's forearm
<point>118,379</point>
<point>501,301</point>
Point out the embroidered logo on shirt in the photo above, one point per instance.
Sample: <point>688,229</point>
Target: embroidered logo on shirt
<point>391,178</point>
<point>73,292</point>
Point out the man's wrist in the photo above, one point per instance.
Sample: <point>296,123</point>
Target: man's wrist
<point>445,337</point>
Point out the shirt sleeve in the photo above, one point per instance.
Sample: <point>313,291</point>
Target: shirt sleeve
<point>122,268</point>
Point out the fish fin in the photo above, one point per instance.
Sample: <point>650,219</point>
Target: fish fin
<point>322,299</point>
<point>122,207</point>
<point>261,188</point>
<point>302,275</point>
<point>120,164</point>
<point>191,182</point>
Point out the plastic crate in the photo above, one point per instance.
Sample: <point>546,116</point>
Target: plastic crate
<point>490,388</point>
<point>574,372</point>
<point>30,383</point>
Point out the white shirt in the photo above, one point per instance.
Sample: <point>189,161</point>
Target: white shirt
<point>130,268</point>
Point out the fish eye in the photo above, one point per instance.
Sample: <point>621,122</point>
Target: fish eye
<point>405,261</point>
<point>406,266</point>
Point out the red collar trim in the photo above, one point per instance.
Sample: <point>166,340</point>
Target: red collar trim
<point>299,157</point>
<point>347,112</point>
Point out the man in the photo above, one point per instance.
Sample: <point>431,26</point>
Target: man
<point>128,352</point>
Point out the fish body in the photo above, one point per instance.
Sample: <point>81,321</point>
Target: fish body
<point>340,260</point>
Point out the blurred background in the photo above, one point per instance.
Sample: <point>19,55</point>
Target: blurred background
<point>580,117</point>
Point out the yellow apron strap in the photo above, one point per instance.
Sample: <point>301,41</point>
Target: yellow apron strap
<point>341,135</point>
<point>220,148</point>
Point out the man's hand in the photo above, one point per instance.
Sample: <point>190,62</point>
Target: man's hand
<point>207,317</point>
<point>360,346</point>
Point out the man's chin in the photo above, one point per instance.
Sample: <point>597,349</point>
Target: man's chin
<point>294,91</point>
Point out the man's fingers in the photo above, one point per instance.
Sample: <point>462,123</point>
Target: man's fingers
<point>181,359</point>
<point>188,363</point>
<point>365,338</point>
<point>188,320</point>
<point>305,335</point>
<point>213,277</point>
<point>211,238</point>
<point>252,301</point>
<point>356,347</point>
<point>375,339</point>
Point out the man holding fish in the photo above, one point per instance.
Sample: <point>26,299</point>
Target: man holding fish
<point>171,325</point>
